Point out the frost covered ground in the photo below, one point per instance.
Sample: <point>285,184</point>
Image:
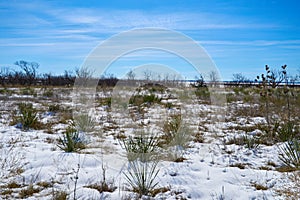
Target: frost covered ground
<point>214,166</point>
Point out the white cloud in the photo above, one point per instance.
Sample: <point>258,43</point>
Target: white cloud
<point>47,23</point>
<point>251,43</point>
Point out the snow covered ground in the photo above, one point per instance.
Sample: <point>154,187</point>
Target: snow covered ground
<point>212,169</point>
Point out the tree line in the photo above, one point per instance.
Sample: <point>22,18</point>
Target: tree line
<point>276,76</point>
<point>28,75</point>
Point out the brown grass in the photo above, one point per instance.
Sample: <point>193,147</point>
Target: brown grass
<point>258,186</point>
<point>29,191</point>
<point>239,165</point>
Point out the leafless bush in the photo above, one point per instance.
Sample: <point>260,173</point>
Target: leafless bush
<point>11,161</point>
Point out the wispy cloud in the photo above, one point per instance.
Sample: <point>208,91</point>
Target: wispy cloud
<point>126,19</point>
<point>58,24</point>
<point>116,19</point>
<point>251,43</point>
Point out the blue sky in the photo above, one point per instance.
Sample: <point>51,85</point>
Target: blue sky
<point>240,36</point>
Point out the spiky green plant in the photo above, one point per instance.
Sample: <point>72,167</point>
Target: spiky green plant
<point>142,146</point>
<point>171,127</point>
<point>182,137</point>
<point>286,132</point>
<point>251,142</point>
<point>141,176</point>
<point>84,122</point>
<point>71,141</point>
<point>290,154</point>
<point>176,137</point>
<point>142,169</point>
<point>28,116</point>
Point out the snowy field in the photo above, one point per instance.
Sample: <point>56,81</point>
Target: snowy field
<point>216,157</point>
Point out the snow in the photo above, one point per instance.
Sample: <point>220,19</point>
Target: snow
<point>207,172</point>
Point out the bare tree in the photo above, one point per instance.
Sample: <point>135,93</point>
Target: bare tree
<point>214,78</point>
<point>69,77</point>
<point>147,75</point>
<point>130,75</point>
<point>166,77</point>
<point>275,77</point>
<point>159,77</point>
<point>4,73</point>
<point>30,70</point>
<point>84,77</point>
<point>84,72</point>
<point>294,79</point>
<point>239,78</point>
<point>47,78</point>
<point>107,80</point>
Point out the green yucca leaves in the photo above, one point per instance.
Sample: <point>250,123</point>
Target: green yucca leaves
<point>141,176</point>
<point>290,154</point>
<point>71,141</point>
<point>28,116</point>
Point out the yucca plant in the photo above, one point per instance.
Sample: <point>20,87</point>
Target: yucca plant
<point>251,142</point>
<point>178,144</point>
<point>290,154</point>
<point>141,176</point>
<point>28,116</point>
<point>181,137</point>
<point>171,127</point>
<point>143,146</point>
<point>176,138</point>
<point>84,122</point>
<point>71,141</point>
<point>142,168</point>
<point>286,132</point>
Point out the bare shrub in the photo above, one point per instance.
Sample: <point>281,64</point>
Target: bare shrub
<point>11,161</point>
